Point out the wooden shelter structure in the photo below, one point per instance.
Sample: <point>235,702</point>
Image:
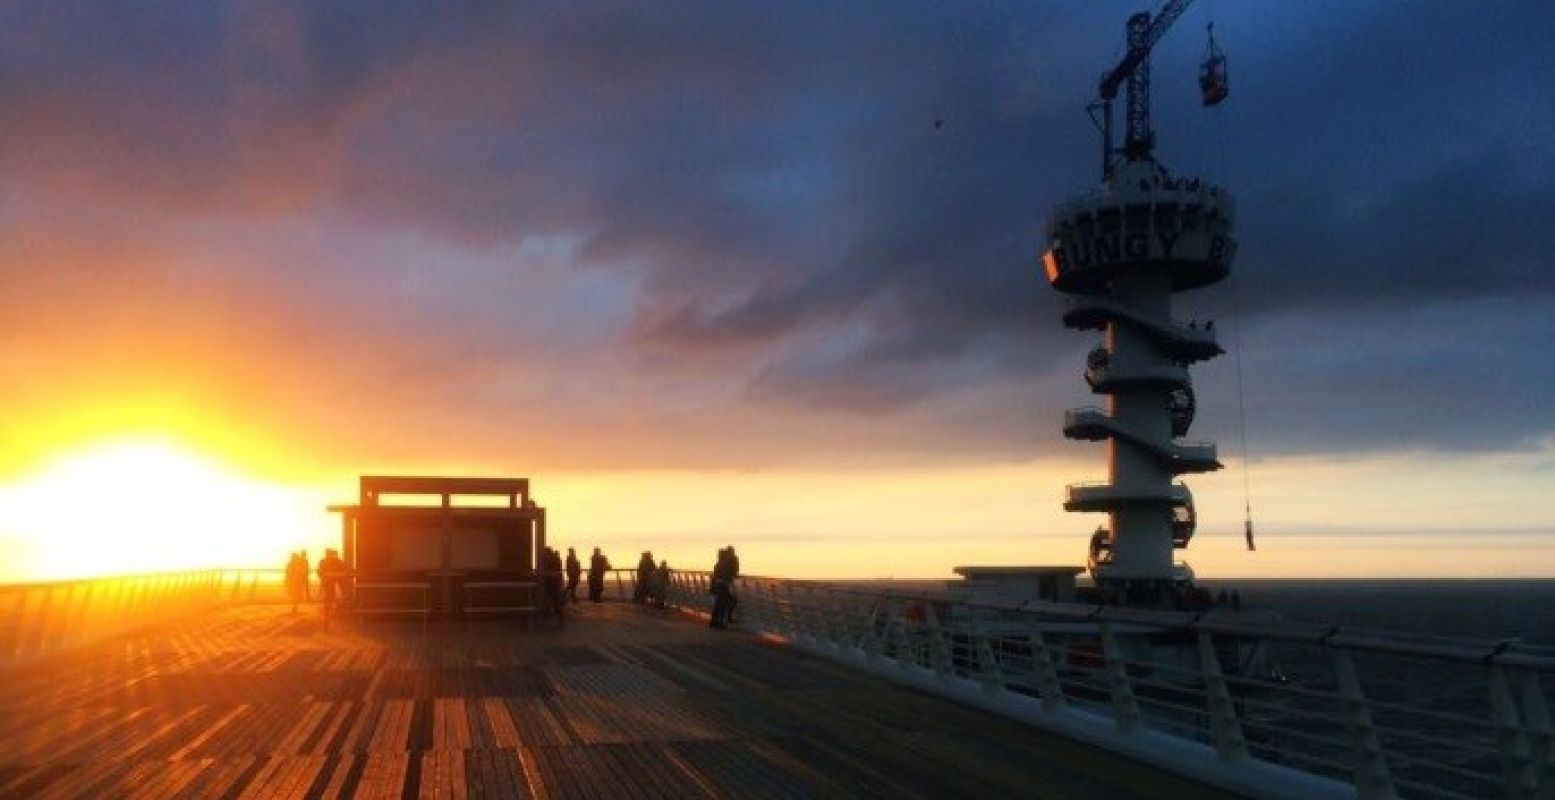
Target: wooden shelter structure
<point>442,547</point>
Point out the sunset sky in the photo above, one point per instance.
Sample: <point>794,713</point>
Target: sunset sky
<point>709,273</point>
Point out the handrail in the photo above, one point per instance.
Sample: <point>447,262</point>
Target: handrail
<point>42,618</point>
<point>1462,650</point>
<point>1340,728</point>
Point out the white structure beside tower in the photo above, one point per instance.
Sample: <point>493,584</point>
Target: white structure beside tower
<point>1121,252</point>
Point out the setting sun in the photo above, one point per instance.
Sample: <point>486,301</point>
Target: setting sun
<point>145,504</point>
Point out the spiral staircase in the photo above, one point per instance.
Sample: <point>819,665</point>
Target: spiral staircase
<point>1121,253</point>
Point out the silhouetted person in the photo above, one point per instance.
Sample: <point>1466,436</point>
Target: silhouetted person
<point>644,577</point>
<point>724,572</point>
<point>734,572</point>
<point>307,588</point>
<point>1223,598</point>
<point>296,579</point>
<point>1236,601</point>
<point>574,571</point>
<point>331,571</point>
<point>551,599</point>
<point>661,584</point>
<point>597,566</point>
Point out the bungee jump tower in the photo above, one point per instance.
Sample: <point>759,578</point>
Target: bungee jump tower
<point>1122,252</point>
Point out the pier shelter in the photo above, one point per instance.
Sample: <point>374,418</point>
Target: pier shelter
<point>438,547</point>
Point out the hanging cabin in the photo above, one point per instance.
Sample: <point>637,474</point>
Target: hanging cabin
<point>442,547</point>
<point>1214,85</point>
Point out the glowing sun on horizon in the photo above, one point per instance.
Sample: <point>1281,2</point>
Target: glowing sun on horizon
<point>144,505</point>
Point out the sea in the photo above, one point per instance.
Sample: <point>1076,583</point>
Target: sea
<point>1485,610</point>
<point>1474,609</point>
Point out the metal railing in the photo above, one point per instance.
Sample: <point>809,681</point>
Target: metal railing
<point>1244,701</point>
<point>41,619</point>
<point>38,619</point>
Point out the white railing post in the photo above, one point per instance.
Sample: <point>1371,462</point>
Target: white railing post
<point>761,613</point>
<point>879,629</point>
<point>988,668</point>
<point>902,648</point>
<point>59,634</point>
<point>782,609</point>
<point>750,611</point>
<point>1536,719</point>
<point>852,621</point>
<point>677,590</point>
<point>825,630</point>
<point>804,620</point>
<point>1373,779</point>
<point>798,624</point>
<point>1224,726</point>
<point>76,626</point>
<point>835,626</point>
<point>939,644</point>
<point>42,636</point>
<point>1044,671</point>
<point>12,646</point>
<point>691,587</point>
<point>1125,707</point>
<point>778,615</point>
<point>1518,769</point>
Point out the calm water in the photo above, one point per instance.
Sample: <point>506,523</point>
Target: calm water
<point>1477,609</point>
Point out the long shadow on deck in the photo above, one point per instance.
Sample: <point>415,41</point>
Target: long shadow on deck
<point>623,702</point>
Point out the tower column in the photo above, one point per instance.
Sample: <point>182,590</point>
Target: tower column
<point>1141,533</point>
<point>1123,252</point>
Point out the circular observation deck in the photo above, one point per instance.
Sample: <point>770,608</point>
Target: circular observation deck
<point>1144,220</point>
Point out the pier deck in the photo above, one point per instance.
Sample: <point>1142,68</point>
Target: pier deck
<point>254,702</point>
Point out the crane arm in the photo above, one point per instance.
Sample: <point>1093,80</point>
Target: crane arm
<point>1143,33</point>
<point>1140,50</point>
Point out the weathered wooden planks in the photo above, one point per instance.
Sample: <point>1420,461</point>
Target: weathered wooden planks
<point>255,703</point>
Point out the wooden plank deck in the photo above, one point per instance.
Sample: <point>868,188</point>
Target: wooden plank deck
<point>254,702</point>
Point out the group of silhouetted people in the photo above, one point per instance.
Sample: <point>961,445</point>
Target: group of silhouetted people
<point>653,581</point>
<point>553,597</point>
<point>331,571</point>
<point>559,580</point>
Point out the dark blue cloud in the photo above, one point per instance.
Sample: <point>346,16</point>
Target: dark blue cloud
<point>836,212</point>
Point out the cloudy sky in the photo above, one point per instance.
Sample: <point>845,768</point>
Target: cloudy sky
<point>767,272</point>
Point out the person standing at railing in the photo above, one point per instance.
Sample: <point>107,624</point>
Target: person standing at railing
<point>734,572</point>
<point>307,588</point>
<point>331,570</point>
<point>297,579</point>
<point>644,577</point>
<point>661,584</point>
<point>725,570</point>
<point>551,583</point>
<point>598,566</point>
<point>574,572</point>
